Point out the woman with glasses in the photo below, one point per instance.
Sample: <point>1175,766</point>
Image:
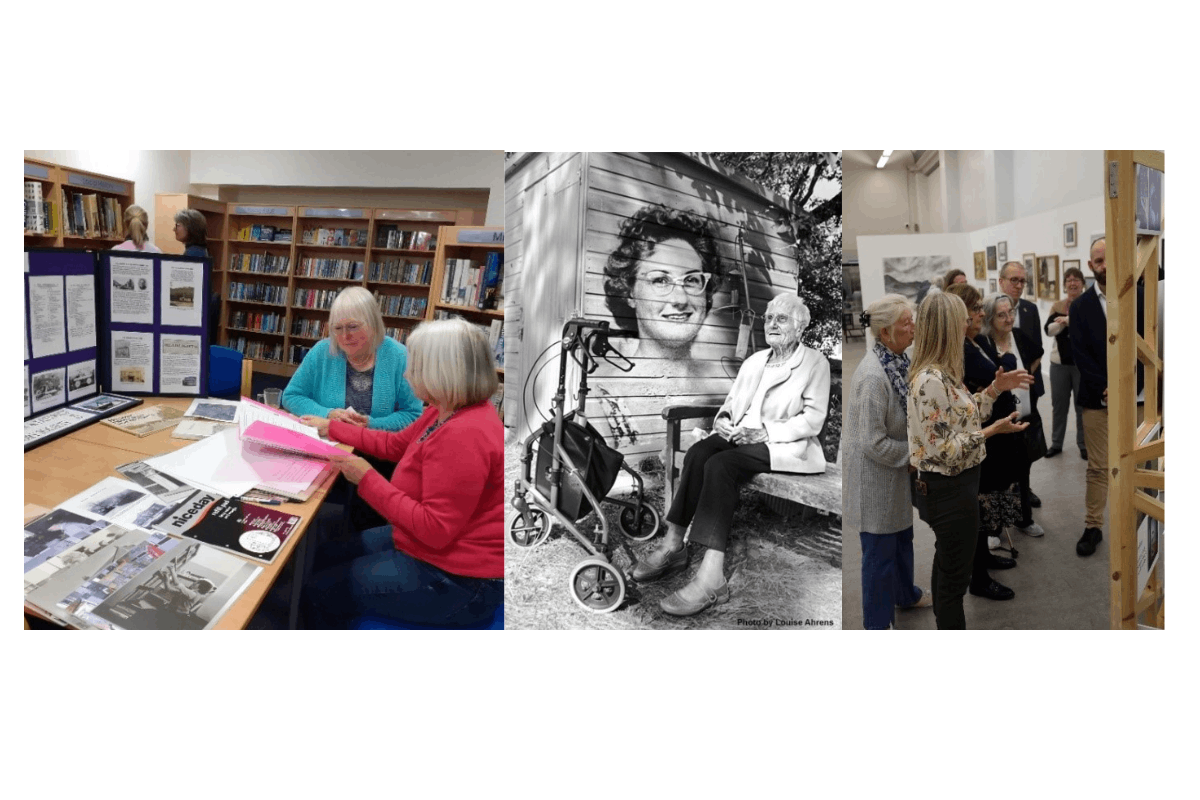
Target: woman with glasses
<point>1014,349</point>
<point>768,423</point>
<point>995,473</point>
<point>357,374</point>
<point>659,281</point>
<point>1064,374</point>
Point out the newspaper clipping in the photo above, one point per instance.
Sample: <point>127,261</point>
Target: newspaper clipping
<point>132,290</point>
<point>181,300</point>
<point>46,315</point>
<point>132,361</point>
<point>179,364</point>
<point>81,311</point>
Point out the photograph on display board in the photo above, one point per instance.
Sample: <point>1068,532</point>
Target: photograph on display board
<point>692,269</point>
<point>49,389</point>
<point>81,380</point>
<point>980,265</point>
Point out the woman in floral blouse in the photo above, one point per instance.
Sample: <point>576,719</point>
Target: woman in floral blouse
<point>946,445</point>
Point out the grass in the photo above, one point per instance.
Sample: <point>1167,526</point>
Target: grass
<point>783,573</point>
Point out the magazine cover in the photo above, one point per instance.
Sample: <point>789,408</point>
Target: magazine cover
<point>188,589</point>
<point>126,562</point>
<point>128,504</point>
<point>245,529</point>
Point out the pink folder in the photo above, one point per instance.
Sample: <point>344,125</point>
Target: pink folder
<point>276,438</point>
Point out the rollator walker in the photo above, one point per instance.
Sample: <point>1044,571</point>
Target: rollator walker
<point>567,470</point>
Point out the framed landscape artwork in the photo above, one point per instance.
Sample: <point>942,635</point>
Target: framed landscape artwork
<point>1047,278</point>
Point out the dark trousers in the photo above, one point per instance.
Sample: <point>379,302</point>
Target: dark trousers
<point>953,513</point>
<point>368,575</point>
<point>708,487</point>
<point>1023,468</point>
<point>887,576</point>
<point>1064,384</point>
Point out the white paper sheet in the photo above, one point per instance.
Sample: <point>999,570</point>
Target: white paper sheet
<point>47,328</point>
<point>49,389</point>
<point>180,301</point>
<point>81,311</point>
<point>28,410</point>
<point>120,501</point>
<point>214,464</point>
<point>179,364</point>
<point>257,412</point>
<point>132,361</point>
<point>81,380</point>
<point>132,293</point>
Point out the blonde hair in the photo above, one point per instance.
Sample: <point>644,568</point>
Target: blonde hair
<point>887,311</point>
<point>356,303</point>
<point>136,223</point>
<point>450,364</point>
<point>941,323</point>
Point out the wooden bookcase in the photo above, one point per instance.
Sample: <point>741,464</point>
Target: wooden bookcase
<point>166,206</point>
<point>54,178</point>
<point>452,244</point>
<point>309,268</point>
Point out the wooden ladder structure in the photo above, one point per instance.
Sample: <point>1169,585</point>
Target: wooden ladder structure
<point>1136,449</point>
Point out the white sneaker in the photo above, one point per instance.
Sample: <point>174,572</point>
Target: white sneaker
<point>1033,529</point>
<point>993,542</point>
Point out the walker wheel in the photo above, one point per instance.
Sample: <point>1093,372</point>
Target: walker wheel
<point>533,532</point>
<point>649,525</point>
<point>597,586</point>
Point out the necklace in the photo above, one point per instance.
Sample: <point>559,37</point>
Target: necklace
<point>429,431</point>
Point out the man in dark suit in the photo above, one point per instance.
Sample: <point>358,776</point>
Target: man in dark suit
<point>1012,282</point>
<point>1089,348</point>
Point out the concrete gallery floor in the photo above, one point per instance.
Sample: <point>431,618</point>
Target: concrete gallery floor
<point>1055,588</point>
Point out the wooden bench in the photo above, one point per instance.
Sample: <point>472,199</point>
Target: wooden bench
<point>823,492</point>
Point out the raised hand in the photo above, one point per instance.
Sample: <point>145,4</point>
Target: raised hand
<point>1018,379</point>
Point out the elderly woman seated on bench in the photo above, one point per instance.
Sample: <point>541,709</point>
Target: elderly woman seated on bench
<point>769,423</point>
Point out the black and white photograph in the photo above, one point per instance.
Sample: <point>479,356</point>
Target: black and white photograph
<point>913,276</point>
<point>186,589</point>
<point>81,380</point>
<point>699,282</point>
<point>106,402</point>
<point>1002,252</point>
<point>131,557</point>
<point>148,477</point>
<point>66,572</point>
<point>101,536</point>
<point>1149,199</point>
<point>121,348</point>
<point>49,389</point>
<point>55,532</point>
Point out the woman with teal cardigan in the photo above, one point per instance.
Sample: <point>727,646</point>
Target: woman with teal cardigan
<point>357,374</point>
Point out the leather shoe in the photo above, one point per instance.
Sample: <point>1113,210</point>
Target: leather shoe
<point>1000,562</point>
<point>1083,453</point>
<point>677,605</point>
<point>1087,543</point>
<point>993,591</point>
<point>659,564</point>
<point>1034,500</point>
<point>1053,451</point>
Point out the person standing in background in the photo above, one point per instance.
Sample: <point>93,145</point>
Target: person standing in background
<point>137,223</point>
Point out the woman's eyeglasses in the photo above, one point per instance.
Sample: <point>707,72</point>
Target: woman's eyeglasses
<point>662,284</point>
<point>349,328</point>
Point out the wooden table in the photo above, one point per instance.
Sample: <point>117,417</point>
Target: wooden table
<point>58,471</point>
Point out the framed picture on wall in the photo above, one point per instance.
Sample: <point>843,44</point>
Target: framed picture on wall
<point>980,266</point>
<point>1070,231</point>
<point>991,258</point>
<point>1047,278</point>
<point>1029,260</point>
<point>993,288</point>
<point>1002,252</point>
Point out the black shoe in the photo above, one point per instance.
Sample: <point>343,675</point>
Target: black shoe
<point>1000,562</point>
<point>1053,451</point>
<point>1087,543</point>
<point>993,591</point>
<point>1083,453</point>
<point>1034,500</point>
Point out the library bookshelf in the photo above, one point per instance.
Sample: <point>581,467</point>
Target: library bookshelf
<point>474,243</point>
<point>89,194</point>
<point>280,266</point>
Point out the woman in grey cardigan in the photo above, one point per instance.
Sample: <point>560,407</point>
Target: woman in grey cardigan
<point>876,499</point>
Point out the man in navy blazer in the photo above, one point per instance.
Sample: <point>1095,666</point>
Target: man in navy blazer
<point>1012,283</point>
<point>1089,348</point>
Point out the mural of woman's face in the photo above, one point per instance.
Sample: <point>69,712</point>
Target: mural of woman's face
<point>669,295</point>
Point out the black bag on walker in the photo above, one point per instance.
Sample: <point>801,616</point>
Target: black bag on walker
<point>598,465</point>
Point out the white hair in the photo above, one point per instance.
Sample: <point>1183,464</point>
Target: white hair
<point>887,311</point>
<point>356,303</point>
<point>450,364</point>
<point>793,305</point>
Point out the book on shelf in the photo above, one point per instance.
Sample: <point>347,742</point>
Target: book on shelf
<point>398,270</point>
<point>92,216</point>
<point>391,237</point>
<point>490,284</point>
<point>342,268</point>
<point>266,263</point>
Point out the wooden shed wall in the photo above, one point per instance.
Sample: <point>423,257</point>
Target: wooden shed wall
<point>613,187</point>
